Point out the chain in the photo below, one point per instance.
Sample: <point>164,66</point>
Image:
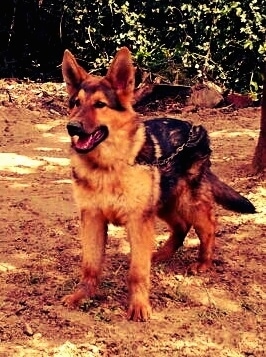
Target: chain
<point>166,161</point>
<point>162,162</point>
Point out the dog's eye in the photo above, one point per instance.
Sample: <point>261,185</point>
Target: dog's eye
<point>99,104</point>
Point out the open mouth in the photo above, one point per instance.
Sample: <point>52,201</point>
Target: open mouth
<point>86,142</point>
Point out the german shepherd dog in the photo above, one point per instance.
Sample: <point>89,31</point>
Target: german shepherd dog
<point>127,172</point>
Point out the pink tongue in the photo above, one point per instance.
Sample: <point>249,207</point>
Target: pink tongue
<point>85,143</point>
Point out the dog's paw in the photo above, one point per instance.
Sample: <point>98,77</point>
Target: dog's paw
<point>199,268</point>
<point>162,254</point>
<point>73,300</point>
<point>139,312</point>
<point>69,301</point>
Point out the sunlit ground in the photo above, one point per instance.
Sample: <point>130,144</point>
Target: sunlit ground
<point>20,164</point>
<point>227,133</point>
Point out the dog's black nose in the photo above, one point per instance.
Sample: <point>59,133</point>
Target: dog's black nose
<point>75,128</point>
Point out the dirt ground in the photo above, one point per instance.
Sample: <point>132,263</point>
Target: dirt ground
<point>220,313</point>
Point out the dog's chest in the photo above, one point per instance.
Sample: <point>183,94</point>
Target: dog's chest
<point>117,193</point>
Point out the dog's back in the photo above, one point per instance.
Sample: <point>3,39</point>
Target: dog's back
<point>182,150</point>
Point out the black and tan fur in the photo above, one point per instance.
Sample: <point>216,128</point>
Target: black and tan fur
<point>127,172</point>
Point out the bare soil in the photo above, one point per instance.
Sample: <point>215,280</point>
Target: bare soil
<point>220,313</point>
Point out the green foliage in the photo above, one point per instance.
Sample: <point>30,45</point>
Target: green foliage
<point>222,39</point>
<point>231,45</point>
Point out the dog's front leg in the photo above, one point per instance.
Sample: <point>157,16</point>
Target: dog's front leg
<point>93,237</point>
<point>141,234</point>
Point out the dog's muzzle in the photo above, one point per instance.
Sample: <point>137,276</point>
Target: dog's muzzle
<point>75,128</point>
<point>86,141</point>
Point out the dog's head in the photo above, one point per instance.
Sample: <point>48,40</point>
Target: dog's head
<point>95,102</point>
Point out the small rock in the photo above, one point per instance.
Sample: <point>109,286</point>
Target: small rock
<point>28,330</point>
<point>52,111</point>
<point>37,336</point>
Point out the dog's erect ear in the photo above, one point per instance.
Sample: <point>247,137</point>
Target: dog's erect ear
<point>121,73</point>
<point>73,74</point>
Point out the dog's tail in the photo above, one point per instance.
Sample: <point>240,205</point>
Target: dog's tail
<point>228,197</point>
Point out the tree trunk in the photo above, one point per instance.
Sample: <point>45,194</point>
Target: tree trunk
<point>259,159</point>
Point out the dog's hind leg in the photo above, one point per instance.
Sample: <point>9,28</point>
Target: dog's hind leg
<point>179,228</point>
<point>204,223</point>
<point>197,210</point>
<point>93,239</point>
